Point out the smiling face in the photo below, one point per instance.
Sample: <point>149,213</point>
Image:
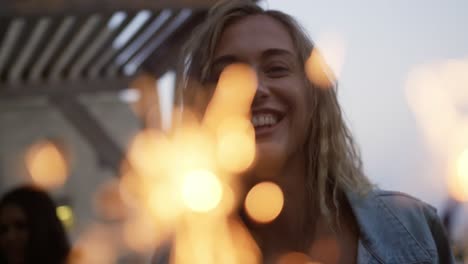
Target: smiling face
<point>279,110</point>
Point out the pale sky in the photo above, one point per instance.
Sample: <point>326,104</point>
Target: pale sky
<point>382,42</point>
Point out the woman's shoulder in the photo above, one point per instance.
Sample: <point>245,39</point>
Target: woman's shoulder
<point>401,226</point>
<point>414,215</point>
<point>405,205</point>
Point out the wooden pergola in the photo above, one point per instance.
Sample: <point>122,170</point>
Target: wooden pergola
<point>60,49</point>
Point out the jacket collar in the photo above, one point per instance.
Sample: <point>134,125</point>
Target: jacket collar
<point>383,237</point>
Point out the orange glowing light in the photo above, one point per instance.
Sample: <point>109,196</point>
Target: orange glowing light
<point>193,148</point>
<point>264,202</point>
<point>201,191</point>
<point>436,93</point>
<point>245,250</point>
<point>458,184</point>
<point>108,201</point>
<point>228,200</point>
<point>147,152</point>
<point>295,258</point>
<point>233,95</point>
<point>332,47</point>
<point>46,164</point>
<point>208,239</point>
<point>236,144</point>
<point>237,84</point>
<point>141,234</point>
<point>96,245</point>
<point>164,203</point>
<point>131,189</point>
<point>318,71</point>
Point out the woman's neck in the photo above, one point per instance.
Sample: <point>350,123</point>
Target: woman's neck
<point>301,227</point>
<point>293,228</point>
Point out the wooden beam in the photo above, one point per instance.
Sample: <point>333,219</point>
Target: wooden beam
<point>168,55</point>
<point>11,8</point>
<point>108,152</point>
<point>66,87</point>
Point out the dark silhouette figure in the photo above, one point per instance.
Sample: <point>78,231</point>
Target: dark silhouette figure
<point>30,231</point>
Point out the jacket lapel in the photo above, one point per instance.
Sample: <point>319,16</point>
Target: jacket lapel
<point>383,237</point>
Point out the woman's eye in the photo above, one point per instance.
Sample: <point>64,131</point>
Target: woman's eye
<point>277,71</point>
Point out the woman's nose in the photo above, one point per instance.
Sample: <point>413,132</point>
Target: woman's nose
<point>262,93</point>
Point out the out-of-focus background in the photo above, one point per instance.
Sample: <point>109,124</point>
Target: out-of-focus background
<point>82,78</point>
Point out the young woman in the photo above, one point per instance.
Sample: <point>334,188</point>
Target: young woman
<point>332,213</point>
<point>30,231</point>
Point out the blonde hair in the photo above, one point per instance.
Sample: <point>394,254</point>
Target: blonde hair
<point>334,165</point>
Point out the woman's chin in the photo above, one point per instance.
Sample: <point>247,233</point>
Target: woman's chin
<point>269,160</point>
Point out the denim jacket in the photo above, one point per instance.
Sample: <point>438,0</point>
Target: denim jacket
<point>395,228</point>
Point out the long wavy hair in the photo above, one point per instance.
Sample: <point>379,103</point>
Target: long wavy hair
<point>334,164</point>
<point>47,239</point>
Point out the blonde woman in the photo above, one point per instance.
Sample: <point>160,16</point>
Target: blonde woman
<point>332,213</point>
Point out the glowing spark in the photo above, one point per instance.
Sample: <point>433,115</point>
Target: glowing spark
<point>164,203</point>
<point>141,234</point>
<point>108,202</point>
<point>186,181</point>
<point>131,189</point>
<point>147,153</point>
<point>236,144</point>
<point>96,245</point>
<point>318,71</point>
<point>436,93</point>
<point>46,164</point>
<point>201,191</point>
<point>65,214</point>
<point>233,96</point>
<point>458,183</point>
<point>332,47</point>
<point>264,202</point>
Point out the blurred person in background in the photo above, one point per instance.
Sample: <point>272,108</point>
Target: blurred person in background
<point>30,231</point>
<point>332,212</point>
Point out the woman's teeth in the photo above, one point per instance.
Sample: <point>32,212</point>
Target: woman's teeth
<point>264,120</point>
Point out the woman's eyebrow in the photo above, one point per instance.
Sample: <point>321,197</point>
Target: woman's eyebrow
<point>229,59</point>
<point>276,52</point>
<point>224,60</point>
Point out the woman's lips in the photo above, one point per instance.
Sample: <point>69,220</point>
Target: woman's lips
<point>265,123</point>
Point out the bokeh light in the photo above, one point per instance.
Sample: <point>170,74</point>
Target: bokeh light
<point>146,152</point>
<point>140,233</point>
<point>97,245</point>
<point>212,239</point>
<point>437,94</point>
<point>318,71</point>
<point>333,49</point>
<point>201,191</point>
<point>164,202</point>
<point>264,202</point>
<point>66,216</point>
<point>47,165</point>
<point>108,202</point>
<point>131,188</point>
<point>458,183</point>
<point>184,183</point>
<point>233,95</point>
<point>236,144</point>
